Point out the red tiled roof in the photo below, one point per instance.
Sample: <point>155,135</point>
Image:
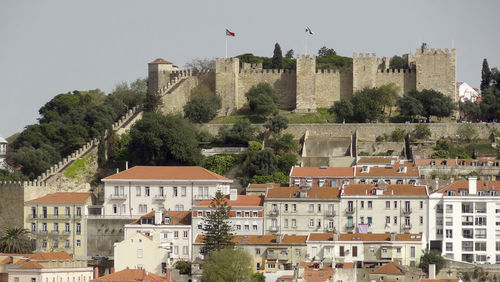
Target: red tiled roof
<point>63,197</point>
<point>177,217</point>
<point>390,268</point>
<point>374,171</point>
<point>377,160</point>
<point>439,280</point>
<point>160,61</point>
<point>132,275</point>
<point>376,237</point>
<point>241,201</point>
<point>246,239</point>
<point>313,192</point>
<point>453,162</point>
<point>286,277</point>
<point>167,173</point>
<point>30,265</point>
<point>334,172</point>
<point>320,237</point>
<point>348,265</point>
<point>389,190</point>
<point>294,239</point>
<point>312,272</point>
<point>464,185</point>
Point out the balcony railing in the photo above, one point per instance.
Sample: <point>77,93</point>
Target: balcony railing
<point>202,197</point>
<point>406,226</point>
<point>117,197</point>
<point>407,211</point>
<point>273,228</point>
<point>159,198</point>
<point>274,212</point>
<point>330,213</point>
<point>349,210</point>
<point>349,226</point>
<point>54,232</point>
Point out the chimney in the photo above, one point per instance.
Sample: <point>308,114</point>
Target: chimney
<point>432,271</point>
<point>96,272</point>
<point>126,165</point>
<point>472,185</point>
<point>233,195</point>
<point>158,216</point>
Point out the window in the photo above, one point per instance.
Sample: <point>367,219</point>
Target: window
<point>200,213</point>
<point>185,250</point>
<point>370,221</point>
<point>294,222</point>
<point>238,227</point>
<point>176,234</point>
<point>174,192</point>
<point>286,222</point>
<point>412,252</point>
<point>115,209</point>
<point>362,219</point>
<point>481,220</point>
<point>421,220</point>
<point>247,214</point>
<point>66,244</point>
<point>294,207</point>
<point>451,193</point>
<point>387,219</point>
<point>67,212</point>
<point>176,250</point>
<point>56,211</point>
<point>395,220</point>
<point>146,191</point>
<point>449,233</point>
<point>66,228</point>
<point>369,204</point>
<point>497,246</point>
<point>480,246</point>
<point>255,227</point>
<point>481,233</point>
<point>238,213</point>
<point>33,227</point>
<point>319,223</point>
<point>44,227</point>
<point>311,222</point>
<point>78,243</point>
<point>78,211</point>
<point>421,204</point>
<point>137,190</point>
<point>395,204</point>
<point>257,251</point>
<point>311,208</point>
<point>354,251</point>
<point>44,244</point>
<point>161,191</point>
<point>341,251</point>
<point>247,227</point>
<point>449,247</point>
<point>387,204</point>
<point>78,228</point>
<point>467,246</point>
<point>56,227</point>
<point>407,220</point>
<point>183,191</point>
<point>139,253</point>
<point>255,214</point>
<point>286,207</point>
<point>362,203</point>
<point>449,221</point>
<point>467,233</point>
<point>185,234</point>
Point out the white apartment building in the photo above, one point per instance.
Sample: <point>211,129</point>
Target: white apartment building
<point>393,172</point>
<point>141,189</point>
<point>246,214</point>
<point>293,210</point>
<point>321,176</point>
<point>464,221</point>
<point>383,208</point>
<point>174,228</point>
<point>366,249</point>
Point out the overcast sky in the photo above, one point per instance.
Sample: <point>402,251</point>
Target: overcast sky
<point>52,47</point>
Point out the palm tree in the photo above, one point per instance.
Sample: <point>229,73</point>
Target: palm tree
<point>15,240</point>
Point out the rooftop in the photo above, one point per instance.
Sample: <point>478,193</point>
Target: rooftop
<point>454,162</point>
<point>391,171</point>
<point>132,275</point>
<point>322,172</point>
<point>481,185</point>
<point>160,61</point>
<point>166,173</point>
<point>241,201</point>
<point>313,192</point>
<point>29,264</point>
<point>294,239</point>
<point>63,198</point>
<point>176,217</point>
<point>387,189</point>
<point>390,268</point>
<point>379,237</point>
<point>320,237</point>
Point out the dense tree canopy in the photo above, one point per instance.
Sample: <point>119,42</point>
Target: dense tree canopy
<point>324,52</point>
<point>201,109</point>
<point>162,140</point>
<point>262,99</point>
<point>485,76</point>
<point>15,240</point>
<point>432,103</point>
<point>432,257</point>
<point>277,60</point>
<point>237,135</point>
<point>276,124</point>
<point>398,62</point>
<point>229,265</point>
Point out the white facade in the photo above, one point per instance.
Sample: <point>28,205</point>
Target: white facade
<point>464,221</point>
<point>466,92</point>
<point>53,271</point>
<point>3,153</point>
<point>134,192</point>
<point>142,252</point>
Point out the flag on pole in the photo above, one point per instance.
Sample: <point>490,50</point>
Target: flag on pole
<point>309,30</point>
<point>229,33</point>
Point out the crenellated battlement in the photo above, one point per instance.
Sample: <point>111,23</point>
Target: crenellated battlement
<point>266,71</point>
<point>305,57</point>
<point>328,71</point>
<point>389,71</point>
<point>361,56</point>
<point>433,51</point>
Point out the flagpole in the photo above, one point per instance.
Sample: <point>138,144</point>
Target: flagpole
<point>226,46</point>
<point>305,42</point>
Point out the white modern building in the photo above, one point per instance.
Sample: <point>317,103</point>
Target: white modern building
<point>141,189</point>
<point>3,153</point>
<point>246,214</point>
<point>464,221</point>
<point>467,93</point>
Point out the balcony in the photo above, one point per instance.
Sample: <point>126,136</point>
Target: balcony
<point>349,210</point>
<point>277,254</point>
<point>330,229</point>
<point>330,213</point>
<point>407,211</point>
<point>274,212</point>
<point>43,232</point>
<point>117,197</point>
<point>407,226</point>
<point>349,226</point>
<point>159,198</point>
<point>66,232</point>
<point>274,228</point>
<point>54,232</point>
<point>31,217</point>
<point>201,197</point>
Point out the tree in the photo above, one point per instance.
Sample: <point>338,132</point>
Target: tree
<point>285,144</point>
<point>201,109</point>
<point>398,135</point>
<point>15,240</point>
<point>152,102</point>
<point>422,131</point>
<point>277,177</point>
<point>388,95</point>
<point>262,163</point>
<point>467,133</point>
<point>325,52</point>
<point>490,104</point>
<point>276,124</point>
<point>262,99</point>
<point>431,257</point>
<point>277,60</point>
<point>286,162</point>
<point>217,231</point>
<point>289,54</point>
<point>219,164</point>
<point>410,106</point>
<point>485,76</point>
<point>434,103</point>
<point>162,140</point>
<point>238,135</point>
<point>183,266</point>
<point>343,110</point>
<point>469,110</point>
<point>367,105</point>
<point>231,265</point>
<point>398,62</point>
<point>198,64</point>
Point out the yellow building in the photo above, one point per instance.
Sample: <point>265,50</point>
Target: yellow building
<point>58,222</point>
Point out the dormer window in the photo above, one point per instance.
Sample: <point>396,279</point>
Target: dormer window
<point>321,183</point>
<point>462,163</point>
<point>464,192</point>
<point>167,220</point>
<point>433,162</point>
<point>402,169</point>
<point>374,191</point>
<point>451,193</point>
<point>493,193</point>
<point>365,169</point>
<point>296,182</point>
<point>481,193</point>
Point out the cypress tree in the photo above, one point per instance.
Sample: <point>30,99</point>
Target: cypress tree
<point>277,61</point>
<point>216,228</point>
<point>485,76</point>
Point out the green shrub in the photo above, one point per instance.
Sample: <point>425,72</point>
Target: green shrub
<point>398,135</point>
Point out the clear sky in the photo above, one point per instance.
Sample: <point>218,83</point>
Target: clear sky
<point>52,47</point>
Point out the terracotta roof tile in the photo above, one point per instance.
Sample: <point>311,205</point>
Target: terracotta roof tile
<point>176,217</point>
<point>439,280</point>
<point>486,186</point>
<point>377,160</point>
<point>63,197</point>
<point>313,273</point>
<point>379,237</point>
<point>50,256</point>
<point>320,237</point>
<point>160,61</point>
<point>241,201</point>
<point>246,239</point>
<point>167,173</point>
<point>132,275</point>
<point>333,172</point>
<point>391,189</point>
<point>390,268</point>
<point>348,265</point>
<point>30,265</point>
<point>294,239</point>
<point>286,277</point>
<point>374,171</point>
<point>455,162</point>
<point>313,192</point>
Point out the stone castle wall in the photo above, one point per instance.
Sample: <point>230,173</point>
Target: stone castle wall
<point>332,86</point>
<point>404,79</point>
<point>11,204</point>
<point>436,69</point>
<point>175,99</point>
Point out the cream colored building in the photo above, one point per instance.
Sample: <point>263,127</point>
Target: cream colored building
<point>58,222</point>
<point>392,171</point>
<point>321,176</point>
<point>141,189</point>
<point>292,210</point>
<point>174,228</point>
<point>140,251</point>
<point>367,249</point>
<point>383,208</point>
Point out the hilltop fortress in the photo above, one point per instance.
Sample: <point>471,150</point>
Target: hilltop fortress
<point>305,89</point>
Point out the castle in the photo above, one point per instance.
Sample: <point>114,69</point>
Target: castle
<point>305,89</point>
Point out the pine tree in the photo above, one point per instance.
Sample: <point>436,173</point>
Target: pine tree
<point>485,76</point>
<point>216,228</point>
<point>277,61</point>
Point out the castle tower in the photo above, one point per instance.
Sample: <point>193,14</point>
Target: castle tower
<point>305,85</point>
<point>159,74</point>
<point>226,84</point>
<point>364,71</point>
<point>437,69</point>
